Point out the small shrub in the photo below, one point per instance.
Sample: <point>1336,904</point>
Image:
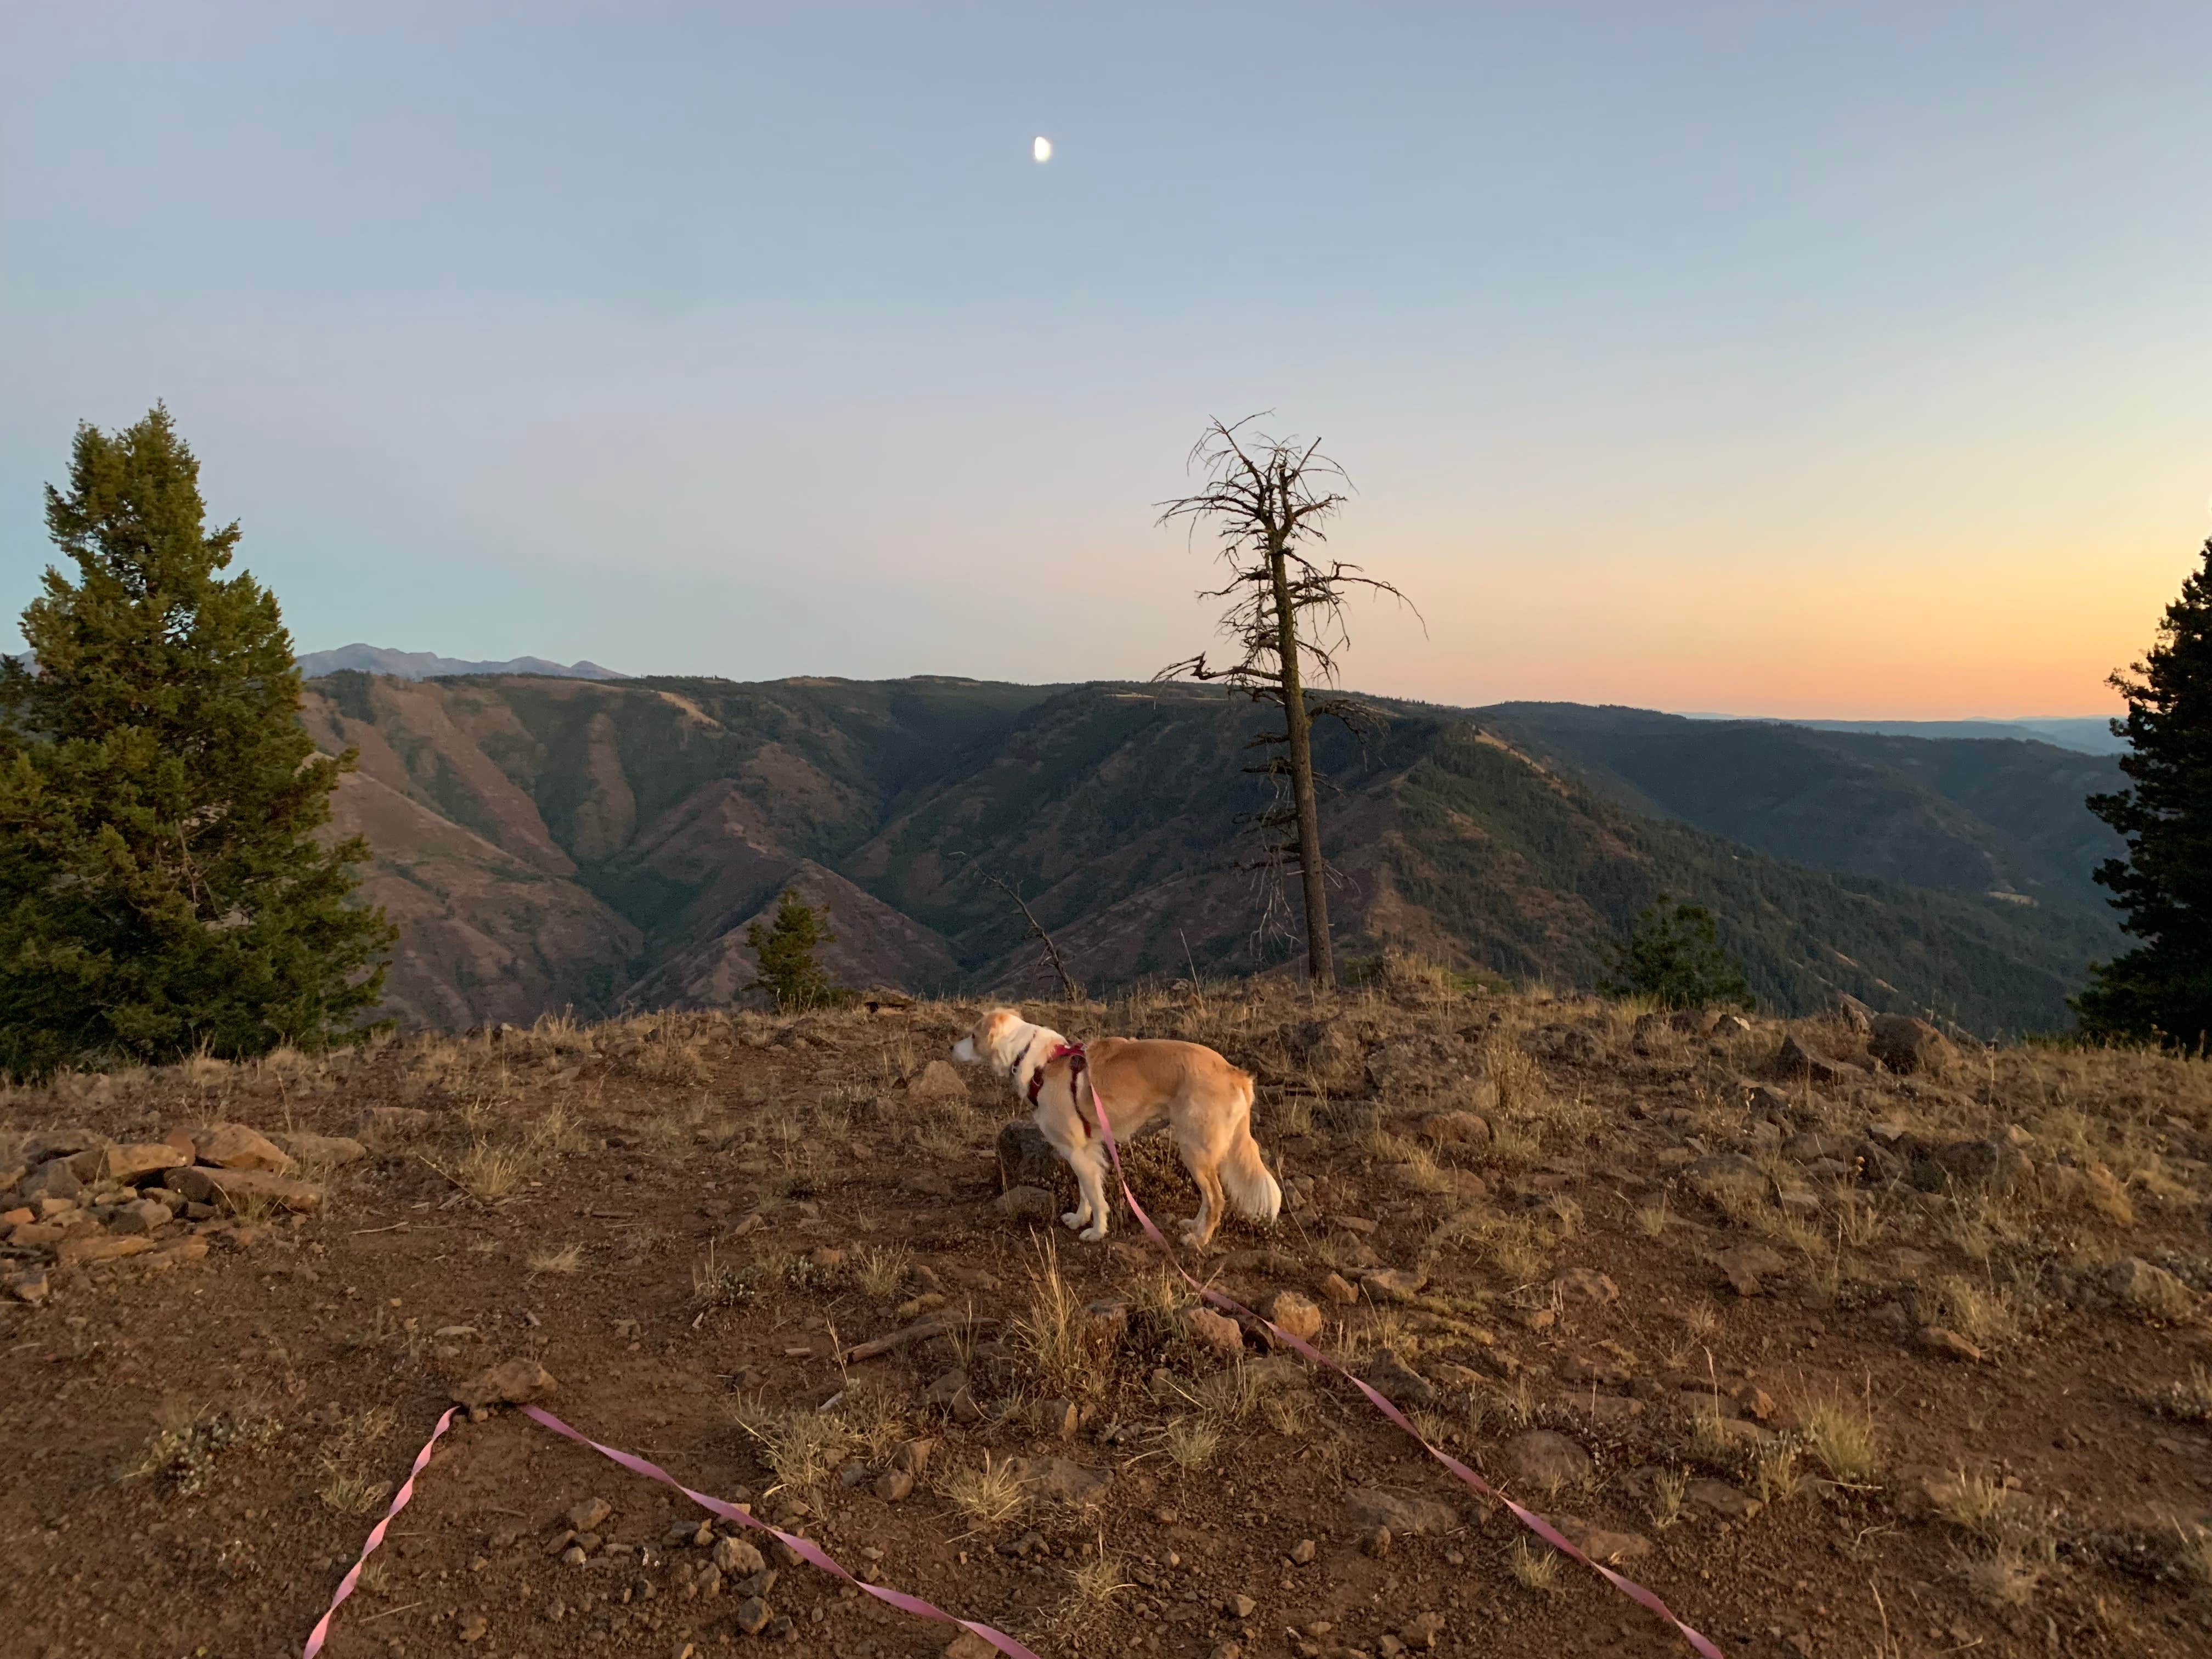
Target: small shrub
<point>986,1496</point>
<point>1533,1567</point>
<point>566,1260</point>
<point>1841,1434</point>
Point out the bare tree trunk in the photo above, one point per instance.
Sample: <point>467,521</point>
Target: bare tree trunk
<point>1321,963</point>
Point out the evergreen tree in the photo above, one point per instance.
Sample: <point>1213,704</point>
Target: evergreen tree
<point>2162,989</point>
<point>162,890</point>
<point>786,948</point>
<point>1674,955</point>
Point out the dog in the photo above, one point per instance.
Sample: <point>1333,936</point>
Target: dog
<point>1205,1101</point>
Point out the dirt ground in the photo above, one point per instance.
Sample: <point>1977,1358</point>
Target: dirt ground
<point>1837,1361</point>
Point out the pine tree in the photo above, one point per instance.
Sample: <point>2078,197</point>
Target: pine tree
<point>162,890</point>
<point>1674,955</point>
<point>785,948</point>
<point>2162,989</point>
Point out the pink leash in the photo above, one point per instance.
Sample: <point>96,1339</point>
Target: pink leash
<point>1528,1518</point>
<point>806,1549</point>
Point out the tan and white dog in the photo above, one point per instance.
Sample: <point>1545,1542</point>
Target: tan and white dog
<point>1206,1101</point>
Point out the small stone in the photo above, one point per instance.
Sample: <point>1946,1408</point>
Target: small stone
<point>1422,1633</point>
<point>79,1252</point>
<point>475,1627</point>
<point>1947,1344</point>
<point>2134,1283</point>
<point>1722,1500</point>
<point>511,1383</point>
<point>1586,1285</point>
<point>1606,1547</point>
<point>54,1179</point>
<point>1727,1172</point>
<point>1105,1322</point>
<point>1301,1552</point>
<point>573,1556</point>
<point>966,1644</point>
<point>1216,1333</point>
<point>134,1161</point>
<point>1747,1267</point>
<point>894,1485</point>
<point>29,1287</point>
<point>1240,1606</point>
<point>1296,1314</point>
<point>1539,1457</point>
<point>752,1614</point>
<point>1059,1481</point>
<point>1376,1542</point>
<point>911,1456</point>
<point>939,1080</point>
<point>1228,1651</point>
<point>143,1216</point>
<point>331,1151</point>
<point>231,1187</point>
<point>1397,1381</point>
<point>1337,1288</point>
<point>950,1393</point>
<point>1393,1283</point>
<point>588,1516</point>
<point>736,1559</point>
<point>1457,1129</point>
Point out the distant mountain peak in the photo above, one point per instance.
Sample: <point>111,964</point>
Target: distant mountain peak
<point>427,664</point>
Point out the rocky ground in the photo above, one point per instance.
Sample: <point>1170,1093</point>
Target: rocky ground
<point>1845,1340</point>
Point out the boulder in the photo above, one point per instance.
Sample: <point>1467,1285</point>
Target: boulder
<point>1855,1013</point>
<point>141,1216</point>
<point>1541,1458</point>
<point>510,1382</point>
<point>1026,1159</point>
<point>235,1188</point>
<point>1909,1046</point>
<point>134,1161</point>
<point>1397,1381</point>
<point>234,1146</point>
<point>2134,1283</point>
<point>939,1082</point>
<point>52,1179</point>
<point>1794,1059</point>
<point>1217,1333</point>
<point>1366,1508</point>
<point>48,1144</point>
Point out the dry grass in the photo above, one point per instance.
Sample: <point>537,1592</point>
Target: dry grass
<point>1095,1584</point>
<point>1841,1434</point>
<point>1049,1331</point>
<point>567,1258</point>
<point>801,1447</point>
<point>881,1272</point>
<point>1190,1442</point>
<point>352,1483</point>
<point>186,1443</point>
<point>2189,1400</point>
<point>1983,1314</point>
<point>987,1497</point>
<point>487,1173</point>
<point>1668,1486</point>
<point>718,1284</point>
<point>1533,1567</point>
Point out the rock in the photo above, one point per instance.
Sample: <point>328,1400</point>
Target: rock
<point>1570,1043</point>
<point>950,1393</point>
<point>1539,1457</point>
<point>1457,1129</point>
<point>30,1286</point>
<point>2134,1283</point>
<point>966,1644</point>
<point>511,1383</point>
<point>1301,1552</point>
<point>1392,1284</point>
<point>1337,1288</point>
<point>586,1515</point>
<point>1027,1203</point>
<point>1214,1332</point>
<point>1727,1172</point>
<point>52,1179</point>
<point>1057,1479</point>
<point>733,1558</point>
<point>143,1216</point>
<point>235,1188</point>
<point>1422,1633</point>
<point>80,1252</point>
<point>1296,1314</point>
<point>1368,1507</point>
<point>911,1456</point>
<point>1947,1344</point>
<point>331,1152</point>
<point>1059,1418</point>
<point>1239,1606</point>
<point>752,1614</point>
<point>1794,1059</point>
<point>1747,1266</point>
<point>940,1080</point>
<point>234,1146</point>
<point>894,1485</point>
<point>65,1141</point>
<point>475,1627</point>
<point>1813,1145</point>
<point>1856,1014</point>
<point>1606,1548</point>
<point>1722,1500</point>
<point>1909,1046</point>
<point>574,1556</point>
<point>133,1161</point>
<point>1026,1159</point>
<point>1729,1026</point>
<point>1376,1542</point>
<point>1585,1284</point>
<point>1397,1381</point>
<point>1422,1064</point>
<point>1997,1164</point>
<point>1610,1409</point>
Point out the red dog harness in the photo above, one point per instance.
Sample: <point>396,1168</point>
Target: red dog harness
<point>1073,1052</point>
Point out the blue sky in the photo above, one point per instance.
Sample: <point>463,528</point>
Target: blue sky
<point>1840,360</point>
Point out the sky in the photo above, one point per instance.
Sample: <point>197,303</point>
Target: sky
<point>1846,360</point>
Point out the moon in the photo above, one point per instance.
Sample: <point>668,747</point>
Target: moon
<point>1041,149</point>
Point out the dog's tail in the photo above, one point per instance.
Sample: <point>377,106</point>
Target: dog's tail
<point>1244,1176</point>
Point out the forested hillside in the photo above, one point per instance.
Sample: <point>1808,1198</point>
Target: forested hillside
<point>549,843</point>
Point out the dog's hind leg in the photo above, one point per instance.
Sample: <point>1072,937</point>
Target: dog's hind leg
<point>1089,1163</point>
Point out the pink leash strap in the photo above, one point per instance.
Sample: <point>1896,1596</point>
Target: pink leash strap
<point>804,1547</point>
<point>1528,1518</point>
<point>321,1633</point>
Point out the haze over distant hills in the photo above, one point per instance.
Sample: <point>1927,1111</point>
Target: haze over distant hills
<point>427,664</point>
<point>2090,733</point>
<point>554,842</point>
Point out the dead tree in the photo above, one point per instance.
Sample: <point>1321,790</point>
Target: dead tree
<point>1268,499</point>
<point>1069,990</point>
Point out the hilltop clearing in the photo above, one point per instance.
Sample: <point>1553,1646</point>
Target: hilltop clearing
<point>1838,1357</point>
